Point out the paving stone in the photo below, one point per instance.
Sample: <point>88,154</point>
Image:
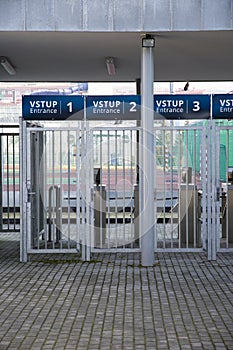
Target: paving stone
<point>184,302</point>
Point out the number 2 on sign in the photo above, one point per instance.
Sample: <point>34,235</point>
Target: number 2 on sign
<point>70,105</point>
<point>133,107</point>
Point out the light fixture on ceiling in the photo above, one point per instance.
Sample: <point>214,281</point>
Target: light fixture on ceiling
<point>7,65</point>
<point>186,87</point>
<point>110,66</point>
<point>148,41</point>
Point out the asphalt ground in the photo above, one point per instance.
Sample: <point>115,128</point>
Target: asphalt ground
<point>59,302</point>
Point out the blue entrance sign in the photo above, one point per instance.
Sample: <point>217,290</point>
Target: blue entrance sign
<point>222,106</point>
<point>126,107</point>
<point>182,106</point>
<point>52,107</point>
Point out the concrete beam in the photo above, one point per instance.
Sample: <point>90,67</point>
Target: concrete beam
<point>116,15</point>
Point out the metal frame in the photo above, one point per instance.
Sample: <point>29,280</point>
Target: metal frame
<point>46,186</point>
<point>205,209</point>
<point>190,215</point>
<point>114,206</point>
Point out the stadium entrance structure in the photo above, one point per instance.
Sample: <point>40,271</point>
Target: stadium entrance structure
<point>81,189</point>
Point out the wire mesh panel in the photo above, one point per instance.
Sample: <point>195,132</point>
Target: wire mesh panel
<point>9,180</point>
<point>180,188</point>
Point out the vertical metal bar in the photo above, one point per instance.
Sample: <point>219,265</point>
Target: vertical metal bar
<point>133,180</point>
<point>194,190</point>
<point>187,191</point>
<point>214,193</point>
<point>203,174</point>
<point>156,191</point>
<point>209,192</point>
<point>83,225</point>
<point>61,189</point>
<point>49,177</point>
<point>140,195</point>
<point>23,190</point>
<point>88,192</point>
<point>124,180</point>
<point>28,163</point>
<point>100,229</point>
<point>109,189</point>
<point>78,183</point>
<point>171,181</point>
<point>53,192</point>
<point>41,184</point>
<point>179,182</point>
<point>134,154</point>
<point>85,188</point>
<point>45,193</point>
<point>115,187</point>
<point>227,188</point>
<point>203,203</point>
<point>217,160</point>
<point>91,192</point>
<point>1,182</point>
<point>91,189</point>
<point>14,188</point>
<point>68,187</point>
<point>164,188</point>
<point>37,185</point>
<point>8,182</point>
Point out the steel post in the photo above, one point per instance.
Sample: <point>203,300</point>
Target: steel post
<point>147,153</point>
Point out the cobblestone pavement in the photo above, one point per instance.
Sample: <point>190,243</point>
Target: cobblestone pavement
<point>51,302</point>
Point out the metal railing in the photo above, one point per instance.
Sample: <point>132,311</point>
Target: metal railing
<point>9,178</point>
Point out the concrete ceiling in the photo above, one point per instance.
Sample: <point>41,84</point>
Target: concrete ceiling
<point>80,56</point>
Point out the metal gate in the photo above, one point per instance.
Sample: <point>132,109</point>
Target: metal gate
<point>116,192</point>
<point>180,166</point>
<point>81,189</point>
<point>9,178</point>
<point>224,184</point>
<point>57,190</point>
<point>180,188</point>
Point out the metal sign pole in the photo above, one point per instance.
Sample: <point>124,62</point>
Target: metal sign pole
<point>147,161</point>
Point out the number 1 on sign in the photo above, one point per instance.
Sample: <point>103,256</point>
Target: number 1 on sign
<point>70,105</point>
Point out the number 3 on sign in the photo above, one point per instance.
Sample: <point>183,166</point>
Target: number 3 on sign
<point>70,105</point>
<point>196,106</point>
